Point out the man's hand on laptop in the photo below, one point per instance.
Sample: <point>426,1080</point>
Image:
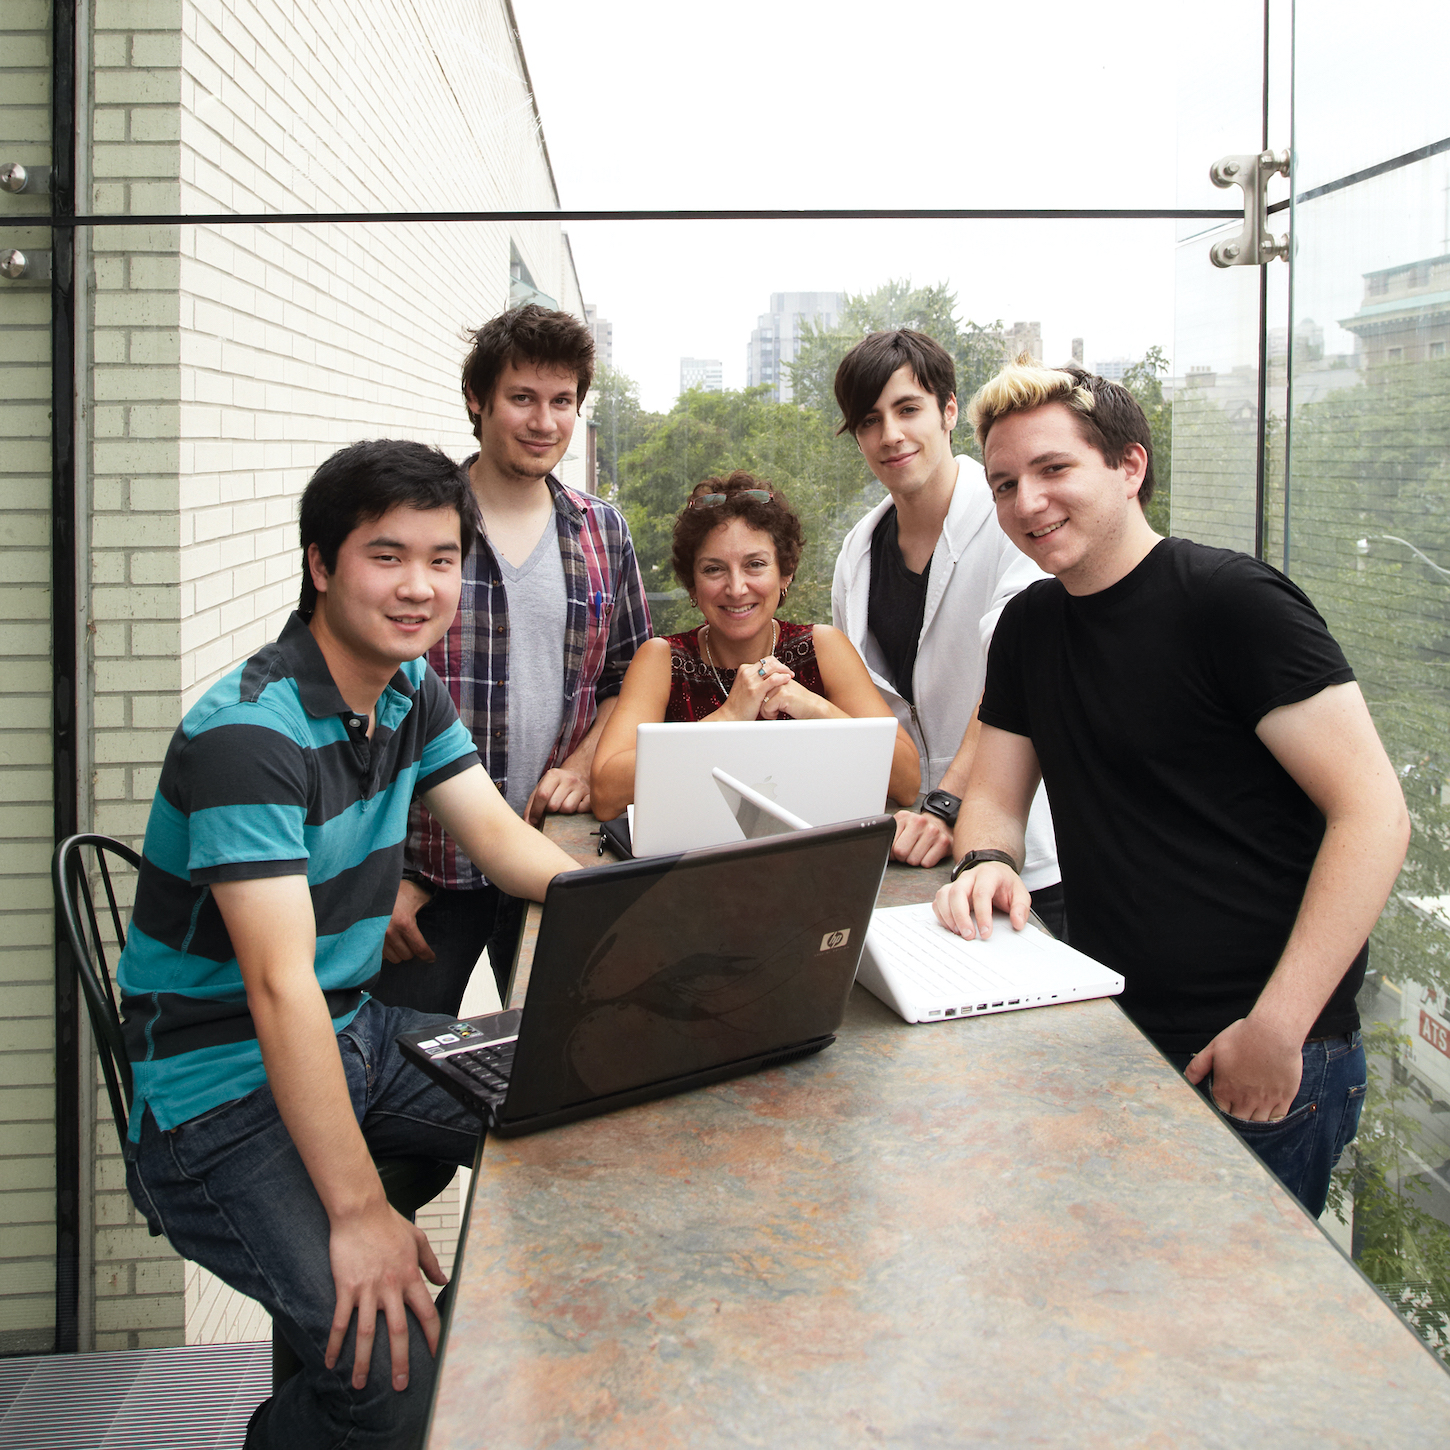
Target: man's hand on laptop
<point>921,839</point>
<point>378,1262</point>
<point>404,941</point>
<point>965,905</point>
<point>560,792</point>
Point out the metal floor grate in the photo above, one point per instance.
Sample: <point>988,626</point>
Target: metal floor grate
<point>197,1398</point>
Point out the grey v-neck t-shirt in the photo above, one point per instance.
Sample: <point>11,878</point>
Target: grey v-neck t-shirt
<point>538,609</point>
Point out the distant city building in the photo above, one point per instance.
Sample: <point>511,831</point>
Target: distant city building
<point>777,338</point>
<point>1112,368</point>
<point>1236,390</point>
<point>1023,337</point>
<point>702,372</point>
<point>1405,314</point>
<point>603,332</point>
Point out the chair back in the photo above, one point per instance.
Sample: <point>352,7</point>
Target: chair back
<point>82,864</point>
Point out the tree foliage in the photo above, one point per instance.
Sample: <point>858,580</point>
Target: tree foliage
<point>1397,1241</point>
<point>621,425</point>
<point>709,434</point>
<point>1142,380</point>
<point>1371,467</point>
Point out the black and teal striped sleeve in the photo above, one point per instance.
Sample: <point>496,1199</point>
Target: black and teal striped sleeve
<point>448,748</point>
<point>241,787</point>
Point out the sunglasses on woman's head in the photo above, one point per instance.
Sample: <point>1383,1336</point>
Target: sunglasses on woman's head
<point>714,500</point>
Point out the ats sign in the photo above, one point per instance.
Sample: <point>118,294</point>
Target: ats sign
<point>1435,1032</point>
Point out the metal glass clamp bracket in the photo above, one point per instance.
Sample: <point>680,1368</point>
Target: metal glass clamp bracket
<point>18,266</point>
<point>16,178</point>
<point>1254,245</point>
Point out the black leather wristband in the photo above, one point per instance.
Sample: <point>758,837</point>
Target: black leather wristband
<point>943,805</point>
<point>975,858</point>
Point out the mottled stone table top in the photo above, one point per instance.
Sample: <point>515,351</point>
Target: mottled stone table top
<point>1022,1229</point>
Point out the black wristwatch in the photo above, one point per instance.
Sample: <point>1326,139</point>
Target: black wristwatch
<point>975,858</point>
<point>943,805</point>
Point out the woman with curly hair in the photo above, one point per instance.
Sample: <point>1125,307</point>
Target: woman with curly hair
<point>736,546</point>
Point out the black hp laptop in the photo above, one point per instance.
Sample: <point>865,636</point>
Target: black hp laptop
<point>654,976</point>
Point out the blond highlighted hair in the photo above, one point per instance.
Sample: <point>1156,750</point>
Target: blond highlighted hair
<point>1108,416</point>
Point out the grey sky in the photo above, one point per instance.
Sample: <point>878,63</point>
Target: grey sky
<point>785,104</point>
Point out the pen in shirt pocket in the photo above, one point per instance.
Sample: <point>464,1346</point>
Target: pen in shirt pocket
<point>601,602</point>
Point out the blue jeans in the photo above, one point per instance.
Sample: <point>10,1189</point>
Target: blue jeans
<point>231,1193</point>
<point>1303,1146</point>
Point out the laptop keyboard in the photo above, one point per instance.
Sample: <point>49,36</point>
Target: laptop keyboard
<point>487,1068</point>
<point>935,962</point>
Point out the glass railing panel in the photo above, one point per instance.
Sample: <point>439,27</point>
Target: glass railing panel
<point>1369,539</point>
<point>222,363</point>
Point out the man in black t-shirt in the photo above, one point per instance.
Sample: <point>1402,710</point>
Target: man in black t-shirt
<point>1228,824</point>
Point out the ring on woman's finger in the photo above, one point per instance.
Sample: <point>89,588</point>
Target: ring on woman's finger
<point>761,670</point>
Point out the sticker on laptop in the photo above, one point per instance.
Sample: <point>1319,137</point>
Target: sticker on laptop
<point>833,941</point>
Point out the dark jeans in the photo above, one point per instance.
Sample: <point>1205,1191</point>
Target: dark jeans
<point>458,925</point>
<point>1051,909</point>
<point>1302,1147</point>
<point>230,1191</point>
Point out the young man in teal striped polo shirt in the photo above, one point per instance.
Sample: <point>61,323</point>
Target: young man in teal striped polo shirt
<point>266,1078</point>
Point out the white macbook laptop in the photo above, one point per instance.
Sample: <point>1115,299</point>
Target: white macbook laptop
<point>821,771</point>
<point>926,973</point>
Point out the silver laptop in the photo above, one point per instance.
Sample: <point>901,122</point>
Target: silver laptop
<point>757,816</point>
<point>926,973</point>
<point>822,771</point>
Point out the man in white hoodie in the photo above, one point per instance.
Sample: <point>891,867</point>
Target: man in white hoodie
<point>920,582</point>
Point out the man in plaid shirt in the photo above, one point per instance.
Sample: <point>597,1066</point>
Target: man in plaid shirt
<point>551,614</point>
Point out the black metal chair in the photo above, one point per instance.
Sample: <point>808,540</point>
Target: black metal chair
<point>409,1182</point>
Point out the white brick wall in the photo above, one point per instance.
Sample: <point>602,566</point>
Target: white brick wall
<point>229,361</point>
<point>27,1107</point>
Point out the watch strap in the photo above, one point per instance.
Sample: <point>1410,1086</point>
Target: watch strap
<point>976,858</point>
